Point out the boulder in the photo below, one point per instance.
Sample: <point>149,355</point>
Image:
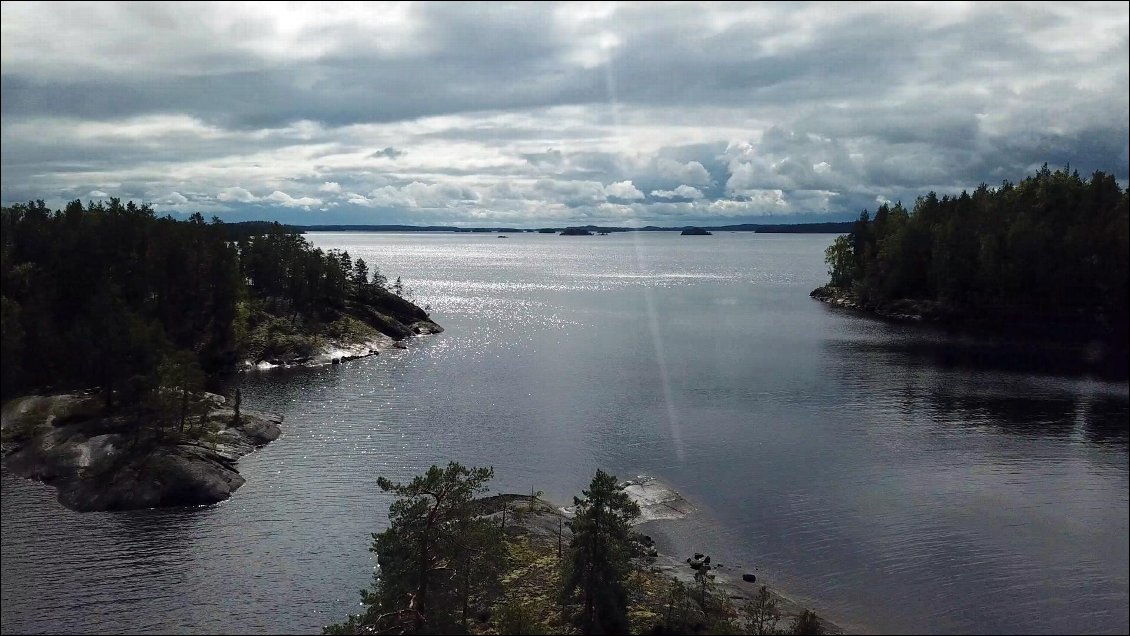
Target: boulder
<point>425,327</point>
<point>749,578</point>
<point>181,476</point>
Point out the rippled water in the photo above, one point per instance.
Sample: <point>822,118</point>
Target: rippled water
<point>859,465</point>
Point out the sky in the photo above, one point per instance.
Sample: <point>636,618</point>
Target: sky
<point>539,114</point>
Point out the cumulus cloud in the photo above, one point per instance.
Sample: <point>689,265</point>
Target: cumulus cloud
<point>236,195</point>
<point>623,190</point>
<point>681,192</point>
<point>565,112</point>
<point>691,172</point>
<point>285,200</point>
<point>414,195</point>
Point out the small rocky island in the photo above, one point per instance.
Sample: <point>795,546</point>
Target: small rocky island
<point>695,231</point>
<point>103,459</point>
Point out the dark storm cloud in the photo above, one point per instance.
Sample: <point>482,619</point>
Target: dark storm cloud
<point>533,112</point>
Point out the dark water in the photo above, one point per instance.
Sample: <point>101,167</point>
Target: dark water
<point>888,485</point>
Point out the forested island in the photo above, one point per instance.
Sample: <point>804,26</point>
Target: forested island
<point>121,319</point>
<point>576,231</point>
<point>454,561</point>
<point>1046,257</point>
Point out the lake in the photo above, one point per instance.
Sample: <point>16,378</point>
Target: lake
<point>862,467</point>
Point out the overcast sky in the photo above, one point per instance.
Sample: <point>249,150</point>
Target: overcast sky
<point>549,114</point>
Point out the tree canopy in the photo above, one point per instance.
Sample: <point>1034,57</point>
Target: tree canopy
<point>1052,247</point>
<point>436,556</point>
<point>96,294</point>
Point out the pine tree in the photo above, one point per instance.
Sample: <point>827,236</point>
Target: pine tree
<point>436,555</point>
<point>599,554</point>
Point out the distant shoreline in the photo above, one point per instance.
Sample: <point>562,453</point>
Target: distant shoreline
<point>762,228</point>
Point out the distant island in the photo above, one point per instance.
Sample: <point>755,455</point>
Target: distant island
<point>836,227</point>
<point>695,231</point>
<point>122,319</point>
<point>576,231</point>
<point>1047,257</point>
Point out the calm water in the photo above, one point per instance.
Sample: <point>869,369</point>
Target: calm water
<point>857,465</point>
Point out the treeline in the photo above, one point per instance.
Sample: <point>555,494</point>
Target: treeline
<point>246,229</point>
<point>801,228</point>
<point>1051,248</point>
<point>454,562</point>
<point>111,295</point>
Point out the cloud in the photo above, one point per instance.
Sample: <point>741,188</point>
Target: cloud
<point>98,194</point>
<point>566,112</point>
<point>285,200</point>
<point>414,195</point>
<point>692,172</point>
<point>388,153</point>
<point>623,190</point>
<point>236,195</point>
<point>681,192</point>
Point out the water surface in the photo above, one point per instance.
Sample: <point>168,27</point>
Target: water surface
<point>850,461</point>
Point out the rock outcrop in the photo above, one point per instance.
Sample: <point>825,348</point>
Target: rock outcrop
<point>99,461</point>
<point>388,321</point>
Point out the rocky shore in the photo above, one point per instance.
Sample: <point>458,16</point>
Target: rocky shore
<point>101,460</point>
<point>905,309</point>
<point>374,328</point>
<point>541,522</point>
<point>659,503</point>
<point>136,457</point>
